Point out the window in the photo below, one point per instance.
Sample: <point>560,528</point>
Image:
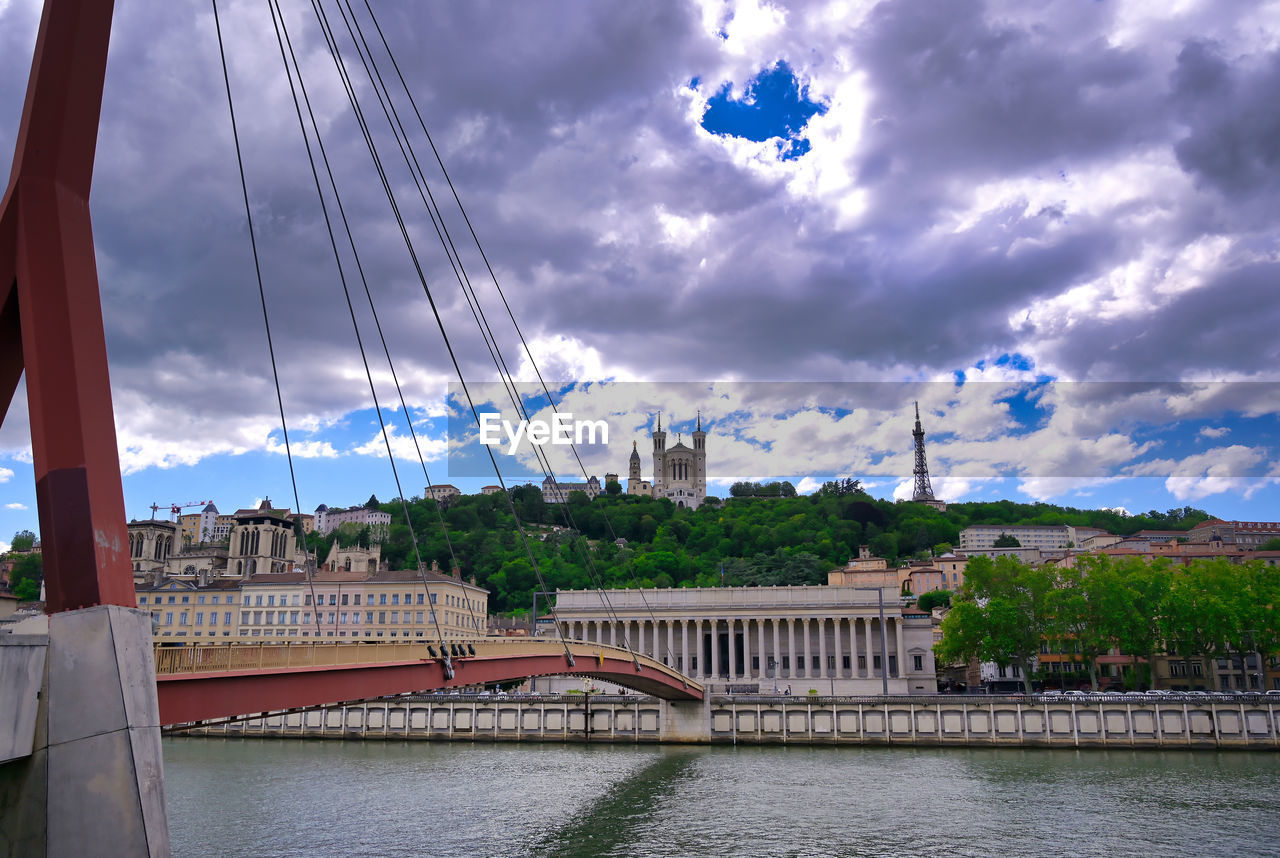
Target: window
<point>199,618</point>
<point>1002,672</point>
<point>382,617</point>
<point>1197,668</point>
<point>271,600</point>
<point>244,618</point>
<point>831,662</point>
<point>356,601</point>
<point>186,600</point>
<point>199,600</point>
<point>382,598</point>
<point>862,662</point>
<point>142,600</point>
<point>917,663</point>
<point>395,598</point>
<point>368,617</point>
<point>875,662</point>
<point>433,598</point>
<point>172,600</point>
<point>257,618</point>
<point>182,618</point>
<point>755,662</point>
<point>343,619</point>
<point>345,597</point>
<point>293,618</point>
<point>816,663</point>
<point>786,662</point>
<point>395,617</point>
<point>420,598</point>
<point>333,598</point>
<point>226,619</point>
<point>408,598</point>
<point>213,618</point>
<point>258,600</point>
<point>845,660</point>
<point>307,599</point>
<point>418,616</point>
<point>168,618</point>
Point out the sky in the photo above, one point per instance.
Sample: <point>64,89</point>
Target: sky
<point>1052,224</point>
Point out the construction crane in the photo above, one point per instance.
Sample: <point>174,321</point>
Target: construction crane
<point>175,509</point>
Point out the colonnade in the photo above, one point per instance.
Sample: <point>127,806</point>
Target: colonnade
<point>742,649</point>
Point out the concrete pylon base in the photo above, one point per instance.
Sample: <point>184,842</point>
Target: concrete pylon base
<point>93,784</point>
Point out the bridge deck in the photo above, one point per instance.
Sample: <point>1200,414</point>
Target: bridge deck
<point>204,681</point>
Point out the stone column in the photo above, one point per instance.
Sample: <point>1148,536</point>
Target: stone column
<point>732,667</point>
<point>746,648</point>
<point>715,647</point>
<point>808,649</point>
<point>822,648</point>
<point>839,653</point>
<point>777,649</point>
<point>762,651</point>
<point>684,648</point>
<point>902,650</point>
<point>791,647</point>
<point>671,643</point>
<point>853,647</point>
<point>871,651</point>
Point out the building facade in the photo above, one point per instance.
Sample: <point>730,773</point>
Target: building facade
<point>360,606</point>
<point>1248,534</point>
<point>558,492</point>
<point>326,520</point>
<point>829,639</point>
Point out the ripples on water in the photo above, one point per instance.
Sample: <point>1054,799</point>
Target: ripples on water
<point>267,798</point>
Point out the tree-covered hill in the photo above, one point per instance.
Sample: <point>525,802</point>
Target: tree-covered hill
<point>742,541</point>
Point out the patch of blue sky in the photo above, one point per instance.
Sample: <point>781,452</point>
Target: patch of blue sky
<point>773,107</point>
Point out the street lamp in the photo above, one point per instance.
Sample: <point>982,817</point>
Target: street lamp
<point>884,646</point>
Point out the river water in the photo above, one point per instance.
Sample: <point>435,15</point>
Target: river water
<point>288,797</point>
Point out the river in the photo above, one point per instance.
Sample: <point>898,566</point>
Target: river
<point>265,798</point>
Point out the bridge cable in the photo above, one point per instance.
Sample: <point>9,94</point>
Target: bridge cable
<point>257,267</point>
<point>278,24</point>
<point>437,218</point>
<point>484,256</point>
<point>387,189</point>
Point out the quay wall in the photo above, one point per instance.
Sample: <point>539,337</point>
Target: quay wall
<point>944,720</point>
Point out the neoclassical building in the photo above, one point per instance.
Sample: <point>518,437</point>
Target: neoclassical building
<point>830,639</point>
<point>679,472</point>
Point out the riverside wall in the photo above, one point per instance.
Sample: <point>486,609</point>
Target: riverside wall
<point>963,721</point>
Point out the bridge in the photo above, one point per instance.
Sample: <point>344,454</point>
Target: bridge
<point>197,683</point>
<point>81,769</point>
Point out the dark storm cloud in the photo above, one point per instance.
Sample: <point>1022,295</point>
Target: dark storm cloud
<point>615,221</point>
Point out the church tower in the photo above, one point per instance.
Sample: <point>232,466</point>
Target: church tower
<point>659,458</point>
<point>700,461</point>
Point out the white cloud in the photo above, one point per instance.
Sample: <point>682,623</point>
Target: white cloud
<point>5,547</point>
<point>15,505</point>
<point>1214,431</point>
<point>6,474</point>
<point>808,485</point>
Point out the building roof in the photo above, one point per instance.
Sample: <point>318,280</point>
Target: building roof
<point>1246,526</point>
<point>210,508</point>
<point>267,578</point>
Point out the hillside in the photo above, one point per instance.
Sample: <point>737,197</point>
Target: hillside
<point>742,541</point>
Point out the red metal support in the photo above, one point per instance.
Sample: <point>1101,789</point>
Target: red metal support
<point>51,312</point>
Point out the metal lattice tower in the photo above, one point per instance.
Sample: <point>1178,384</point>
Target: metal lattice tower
<point>923,491</point>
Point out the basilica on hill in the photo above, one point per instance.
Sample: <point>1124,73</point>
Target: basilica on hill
<point>679,472</point>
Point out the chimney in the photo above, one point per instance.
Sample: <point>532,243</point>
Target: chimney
<point>457,573</point>
<point>435,566</point>
<point>864,551</point>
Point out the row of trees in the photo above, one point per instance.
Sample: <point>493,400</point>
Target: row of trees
<point>1210,609</point>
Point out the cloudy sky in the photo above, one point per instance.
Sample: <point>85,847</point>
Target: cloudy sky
<point>1053,224</point>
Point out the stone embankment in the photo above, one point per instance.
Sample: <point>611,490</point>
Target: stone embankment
<point>964,721</point>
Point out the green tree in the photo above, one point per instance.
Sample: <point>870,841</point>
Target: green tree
<point>23,540</point>
<point>1004,540</point>
<point>613,488</point>
<point>1000,615</point>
